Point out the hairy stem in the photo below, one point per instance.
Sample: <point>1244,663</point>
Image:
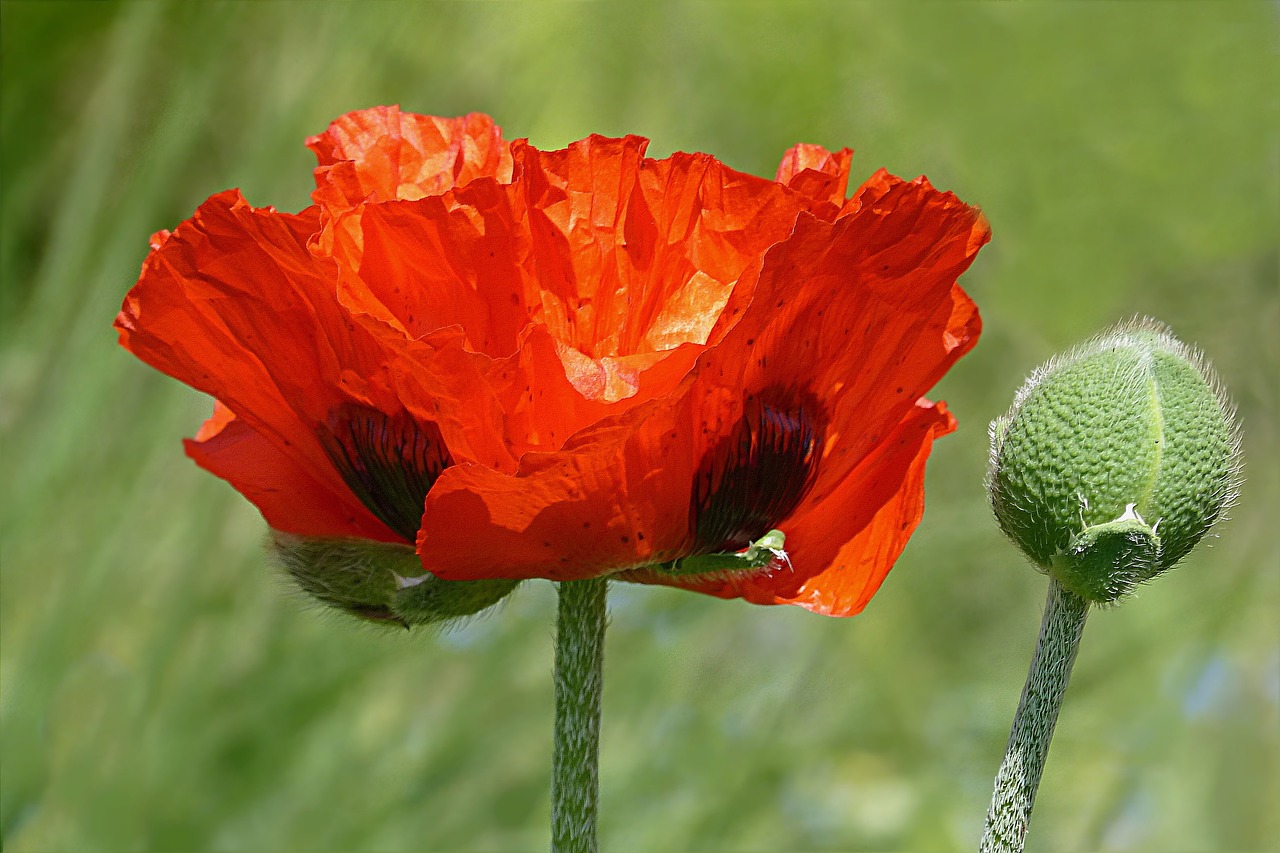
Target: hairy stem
<point>1019,775</point>
<point>575,785</point>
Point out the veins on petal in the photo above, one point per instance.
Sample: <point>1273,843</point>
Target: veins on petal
<point>388,461</point>
<point>758,474</point>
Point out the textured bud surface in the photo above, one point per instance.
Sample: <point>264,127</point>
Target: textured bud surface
<point>1115,459</point>
<point>380,581</point>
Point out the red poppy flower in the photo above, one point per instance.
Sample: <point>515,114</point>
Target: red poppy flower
<point>563,364</point>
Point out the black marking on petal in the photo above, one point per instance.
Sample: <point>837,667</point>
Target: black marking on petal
<point>388,461</point>
<point>758,474</point>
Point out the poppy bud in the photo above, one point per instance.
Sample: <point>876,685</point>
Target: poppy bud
<point>1114,460</point>
<point>380,581</point>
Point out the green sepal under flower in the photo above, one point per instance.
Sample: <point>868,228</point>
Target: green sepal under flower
<point>760,554</point>
<point>1115,459</point>
<point>1105,561</point>
<point>380,582</point>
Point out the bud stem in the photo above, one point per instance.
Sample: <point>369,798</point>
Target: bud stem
<point>575,784</point>
<point>1019,774</point>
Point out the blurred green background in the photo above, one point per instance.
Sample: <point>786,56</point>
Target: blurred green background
<point>162,691</point>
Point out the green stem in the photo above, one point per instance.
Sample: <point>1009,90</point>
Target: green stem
<point>575,784</point>
<point>1019,775</point>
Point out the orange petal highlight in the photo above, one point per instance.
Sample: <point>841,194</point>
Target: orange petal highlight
<point>382,154</point>
<point>821,175</point>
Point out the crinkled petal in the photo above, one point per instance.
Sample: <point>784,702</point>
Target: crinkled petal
<point>382,154</point>
<point>429,264</point>
<point>233,304</point>
<point>614,253</point>
<point>289,496</point>
<point>634,254</point>
<point>818,173</point>
<point>622,265</point>
<point>861,315</point>
<point>856,533</point>
<point>598,504</point>
<point>548,393</point>
<point>436,378</point>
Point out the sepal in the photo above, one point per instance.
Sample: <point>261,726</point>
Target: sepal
<point>760,554</point>
<point>379,581</point>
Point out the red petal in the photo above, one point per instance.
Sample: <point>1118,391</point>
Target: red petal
<point>862,314</point>
<point>860,530</point>
<point>233,304</point>
<point>429,264</point>
<point>384,154</point>
<point>436,379</point>
<point>623,263</point>
<point>818,174</point>
<point>578,512</point>
<point>289,497</point>
<point>229,304</point>
<point>853,537</point>
<point>548,393</point>
<point>633,255</point>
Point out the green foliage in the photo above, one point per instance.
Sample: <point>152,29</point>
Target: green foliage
<point>163,691</point>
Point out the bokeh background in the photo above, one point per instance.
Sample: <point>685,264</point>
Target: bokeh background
<point>162,691</point>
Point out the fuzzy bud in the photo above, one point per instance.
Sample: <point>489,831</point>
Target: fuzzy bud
<point>380,581</point>
<point>1114,460</point>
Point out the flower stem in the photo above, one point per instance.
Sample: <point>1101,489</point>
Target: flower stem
<point>575,784</point>
<point>1019,775</point>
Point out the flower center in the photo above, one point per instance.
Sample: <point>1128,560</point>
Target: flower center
<point>757,475</point>
<point>388,461</point>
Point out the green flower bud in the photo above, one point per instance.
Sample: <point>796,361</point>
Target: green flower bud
<point>380,581</point>
<point>1114,460</point>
